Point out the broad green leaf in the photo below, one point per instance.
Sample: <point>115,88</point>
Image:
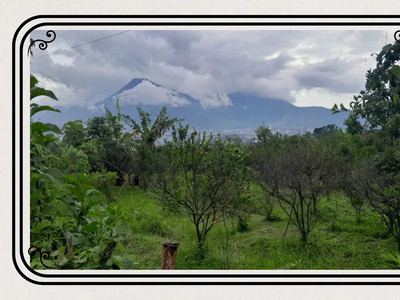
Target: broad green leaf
<point>387,48</point>
<point>121,229</point>
<point>71,178</point>
<point>53,128</point>
<point>59,222</point>
<point>40,128</point>
<point>35,108</point>
<point>393,91</point>
<point>127,262</point>
<point>48,210</point>
<point>335,109</point>
<point>396,98</point>
<point>37,128</point>
<point>110,220</point>
<point>50,138</point>
<point>342,107</point>
<point>395,70</point>
<point>112,209</point>
<point>63,261</point>
<point>116,259</point>
<point>37,91</point>
<point>56,173</point>
<point>81,259</point>
<point>119,249</point>
<point>61,207</point>
<point>95,249</point>
<point>34,81</point>
<point>93,192</point>
<point>92,227</point>
<point>35,197</point>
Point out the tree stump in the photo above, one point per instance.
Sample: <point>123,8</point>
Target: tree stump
<point>169,255</point>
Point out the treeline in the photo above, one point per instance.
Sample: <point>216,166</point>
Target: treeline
<point>206,177</point>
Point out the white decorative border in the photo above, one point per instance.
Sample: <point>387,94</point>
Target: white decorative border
<point>108,277</point>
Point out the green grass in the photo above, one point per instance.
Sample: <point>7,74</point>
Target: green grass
<point>337,242</point>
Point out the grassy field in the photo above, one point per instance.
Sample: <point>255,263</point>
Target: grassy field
<point>337,242</point>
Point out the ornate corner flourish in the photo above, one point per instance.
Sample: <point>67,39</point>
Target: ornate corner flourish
<point>397,36</point>
<point>43,255</point>
<point>43,44</point>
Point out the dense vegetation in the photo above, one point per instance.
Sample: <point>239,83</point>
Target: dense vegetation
<point>104,195</point>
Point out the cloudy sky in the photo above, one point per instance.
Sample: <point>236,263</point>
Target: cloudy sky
<point>304,67</point>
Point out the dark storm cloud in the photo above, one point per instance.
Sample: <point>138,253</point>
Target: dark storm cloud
<point>208,63</point>
<point>331,74</point>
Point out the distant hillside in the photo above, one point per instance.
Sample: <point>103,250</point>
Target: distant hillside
<point>247,111</point>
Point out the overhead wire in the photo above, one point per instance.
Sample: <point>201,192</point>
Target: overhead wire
<point>80,45</point>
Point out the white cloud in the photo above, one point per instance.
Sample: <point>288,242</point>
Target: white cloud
<point>66,96</point>
<point>272,56</point>
<point>95,109</point>
<point>214,100</point>
<point>320,97</point>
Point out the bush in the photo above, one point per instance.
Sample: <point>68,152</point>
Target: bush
<point>71,161</point>
<point>105,181</point>
<point>150,223</point>
<point>393,260</point>
<point>243,224</point>
<point>298,176</point>
<point>268,206</point>
<point>202,175</point>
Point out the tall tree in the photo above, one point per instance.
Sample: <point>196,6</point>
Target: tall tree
<point>150,132</point>
<point>74,133</point>
<point>378,104</point>
<point>375,176</point>
<point>203,176</point>
<point>115,148</point>
<point>298,175</point>
<point>263,133</point>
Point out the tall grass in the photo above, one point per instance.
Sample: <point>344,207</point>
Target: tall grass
<point>339,241</point>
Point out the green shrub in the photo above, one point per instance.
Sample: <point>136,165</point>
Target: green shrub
<point>71,161</point>
<point>268,206</point>
<point>394,261</point>
<point>243,224</point>
<point>105,181</point>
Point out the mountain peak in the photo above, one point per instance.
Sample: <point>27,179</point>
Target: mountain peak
<point>135,82</point>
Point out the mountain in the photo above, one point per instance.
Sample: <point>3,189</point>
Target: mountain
<point>246,111</point>
<point>190,110</point>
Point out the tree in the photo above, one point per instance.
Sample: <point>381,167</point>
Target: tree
<point>376,180</point>
<point>62,216</point>
<point>297,175</point>
<point>378,105</point>
<point>375,176</point>
<point>144,147</point>
<point>353,125</point>
<point>73,161</point>
<point>325,130</point>
<point>144,164</point>
<point>263,133</point>
<point>108,142</point>
<point>203,176</point>
<point>74,133</point>
<point>150,132</point>
<point>234,139</point>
